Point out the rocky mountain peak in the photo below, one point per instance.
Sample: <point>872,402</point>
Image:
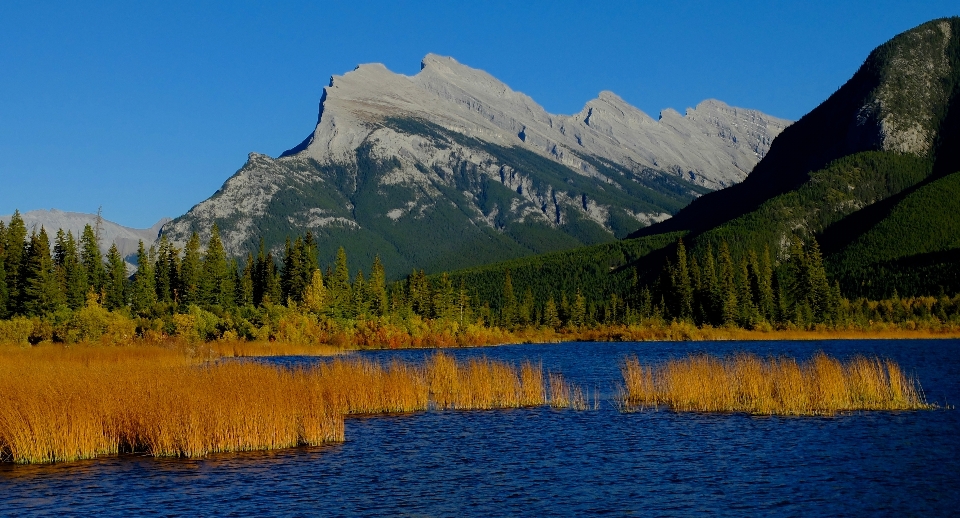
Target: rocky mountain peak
<point>393,154</point>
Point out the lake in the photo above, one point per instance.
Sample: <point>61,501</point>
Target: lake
<point>559,462</point>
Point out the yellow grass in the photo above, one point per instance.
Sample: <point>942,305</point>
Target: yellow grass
<point>483,384</point>
<point>80,402</point>
<point>566,395</point>
<point>746,383</point>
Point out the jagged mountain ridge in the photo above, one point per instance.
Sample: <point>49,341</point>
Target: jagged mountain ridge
<point>450,168</point>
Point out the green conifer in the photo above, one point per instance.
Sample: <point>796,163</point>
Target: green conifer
<point>377,287</point>
<point>728,287</point>
<point>508,311</point>
<point>14,255</point>
<point>143,290</point>
<point>40,292</point>
<point>70,272</point>
<point>163,284</point>
<point>444,298</point>
<point>551,318</point>
<point>339,284</point>
<point>116,286</point>
<point>216,287</point>
<point>92,260</point>
<point>359,303</point>
<point>191,272</point>
<point>578,312</point>
<point>682,285</point>
<point>4,289</point>
<point>244,286</point>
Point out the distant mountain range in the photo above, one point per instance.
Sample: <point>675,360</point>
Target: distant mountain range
<point>127,239</point>
<point>873,174</point>
<point>451,168</point>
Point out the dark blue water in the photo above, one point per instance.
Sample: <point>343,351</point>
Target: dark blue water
<point>559,462</point>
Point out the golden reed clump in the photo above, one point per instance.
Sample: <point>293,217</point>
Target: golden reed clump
<point>84,401</point>
<point>481,383</point>
<point>746,383</point>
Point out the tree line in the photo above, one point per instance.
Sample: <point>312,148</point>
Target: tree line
<point>753,291</point>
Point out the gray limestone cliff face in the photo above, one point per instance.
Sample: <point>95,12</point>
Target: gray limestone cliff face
<point>720,144</point>
<point>391,150</point>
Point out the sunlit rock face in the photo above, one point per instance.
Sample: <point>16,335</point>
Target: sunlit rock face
<point>450,167</point>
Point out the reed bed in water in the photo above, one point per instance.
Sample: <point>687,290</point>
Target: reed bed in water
<point>63,404</point>
<point>566,395</point>
<point>481,383</point>
<point>781,386</point>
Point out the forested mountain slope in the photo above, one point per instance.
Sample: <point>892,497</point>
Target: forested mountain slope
<point>872,175</point>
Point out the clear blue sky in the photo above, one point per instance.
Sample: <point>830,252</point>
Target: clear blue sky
<point>146,108</point>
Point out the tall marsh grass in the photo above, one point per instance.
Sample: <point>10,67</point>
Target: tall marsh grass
<point>783,386</point>
<point>481,383</point>
<point>59,404</point>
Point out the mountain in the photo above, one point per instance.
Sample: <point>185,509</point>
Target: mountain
<point>127,239</point>
<point>872,173</point>
<point>451,168</point>
<point>896,102</point>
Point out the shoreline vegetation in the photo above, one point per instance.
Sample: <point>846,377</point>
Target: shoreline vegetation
<point>199,295</point>
<point>84,401</point>
<point>95,362</point>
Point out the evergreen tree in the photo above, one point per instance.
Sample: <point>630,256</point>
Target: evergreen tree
<point>377,287</point>
<point>116,287</point>
<point>708,293</point>
<point>819,292</point>
<point>763,274</point>
<point>266,283</point>
<point>70,272</point>
<point>564,308</point>
<point>550,316</point>
<point>314,297</point>
<point>244,287</point>
<point>525,309</point>
<point>747,312</point>
<point>359,306</point>
<point>4,290</point>
<point>728,287</point>
<point>681,286</point>
<point>290,272</point>
<point>143,291</point>
<point>92,260</point>
<point>162,282</point>
<point>216,288</point>
<point>444,298</point>
<point>796,277</point>
<point>463,302</point>
<point>174,274</point>
<point>338,286</point>
<point>191,272</point>
<point>418,293</point>
<point>578,312</point>
<point>508,312</point>
<point>40,291</point>
<point>14,255</point>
